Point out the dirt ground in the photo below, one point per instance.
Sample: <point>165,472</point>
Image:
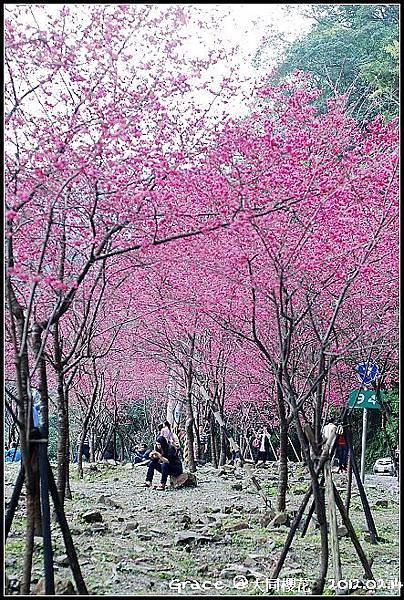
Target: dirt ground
<point>214,539</point>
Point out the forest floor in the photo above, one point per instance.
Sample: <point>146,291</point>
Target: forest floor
<point>214,536</point>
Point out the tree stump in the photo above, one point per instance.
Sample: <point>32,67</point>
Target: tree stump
<point>183,480</point>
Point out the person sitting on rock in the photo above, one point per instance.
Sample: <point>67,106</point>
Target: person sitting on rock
<point>142,453</point>
<point>13,454</point>
<point>164,458</point>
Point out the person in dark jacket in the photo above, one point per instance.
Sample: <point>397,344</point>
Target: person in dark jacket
<point>342,452</point>
<point>165,460</point>
<point>142,453</point>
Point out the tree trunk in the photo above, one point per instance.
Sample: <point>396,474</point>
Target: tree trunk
<point>63,421</point>
<point>29,538</point>
<point>283,454</point>
<point>190,414</point>
<point>213,449</point>
<point>223,448</point>
<point>319,499</point>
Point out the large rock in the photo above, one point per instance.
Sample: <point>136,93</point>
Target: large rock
<point>342,531</point>
<point>185,538</point>
<point>100,528</point>
<point>62,560</point>
<point>184,480</point>
<point>107,501</point>
<point>236,526</point>
<point>184,520</point>
<point>92,516</point>
<point>279,519</point>
<point>63,587</point>
<point>266,518</point>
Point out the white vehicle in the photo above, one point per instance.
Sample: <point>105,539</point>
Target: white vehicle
<point>384,466</point>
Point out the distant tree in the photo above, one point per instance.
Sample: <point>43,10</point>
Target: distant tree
<point>352,50</point>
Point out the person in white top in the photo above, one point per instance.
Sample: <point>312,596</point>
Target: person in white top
<point>263,451</point>
<point>328,429</point>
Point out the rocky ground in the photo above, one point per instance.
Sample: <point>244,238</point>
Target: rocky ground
<point>215,539</point>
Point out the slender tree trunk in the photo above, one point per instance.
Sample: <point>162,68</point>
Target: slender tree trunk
<point>92,440</point>
<point>63,420</point>
<point>349,484</point>
<point>213,442</point>
<point>319,499</point>
<point>223,448</point>
<point>283,456</point>
<point>29,540</point>
<point>190,415</point>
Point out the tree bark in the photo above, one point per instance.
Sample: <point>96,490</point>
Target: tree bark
<point>63,420</point>
<point>283,450</point>
<point>190,414</point>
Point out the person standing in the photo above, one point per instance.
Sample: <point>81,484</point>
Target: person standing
<point>263,452</point>
<point>341,452</point>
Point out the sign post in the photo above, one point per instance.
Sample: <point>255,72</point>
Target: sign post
<point>364,432</point>
<point>364,399</point>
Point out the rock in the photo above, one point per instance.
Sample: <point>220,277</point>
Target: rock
<point>342,531</point>
<point>107,501</point>
<point>232,570</point>
<point>184,480</point>
<point>62,560</point>
<point>236,526</point>
<point>185,520</point>
<point>100,528</point>
<point>63,587</point>
<point>292,572</point>
<point>250,562</point>
<point>184,538</point>
<point>266,518</point>
<point>279,519</point>
<point>92,516</point>
<point>146,537</point>
<point>131,526</point>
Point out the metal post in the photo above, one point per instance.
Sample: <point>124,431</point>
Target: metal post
<point>364,431</point>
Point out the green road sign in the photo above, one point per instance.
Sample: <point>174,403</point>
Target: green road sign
<point>364,399</point>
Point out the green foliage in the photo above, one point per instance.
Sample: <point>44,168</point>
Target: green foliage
<point>269,489</point>
<point>353,50</point>
<point>379,441</point>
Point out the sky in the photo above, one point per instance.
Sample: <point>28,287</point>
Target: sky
<point>246,25</point>
<point>242,25</point>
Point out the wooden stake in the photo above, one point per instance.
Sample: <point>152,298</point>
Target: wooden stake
<point>332,517</point>
<point>352,534</point>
